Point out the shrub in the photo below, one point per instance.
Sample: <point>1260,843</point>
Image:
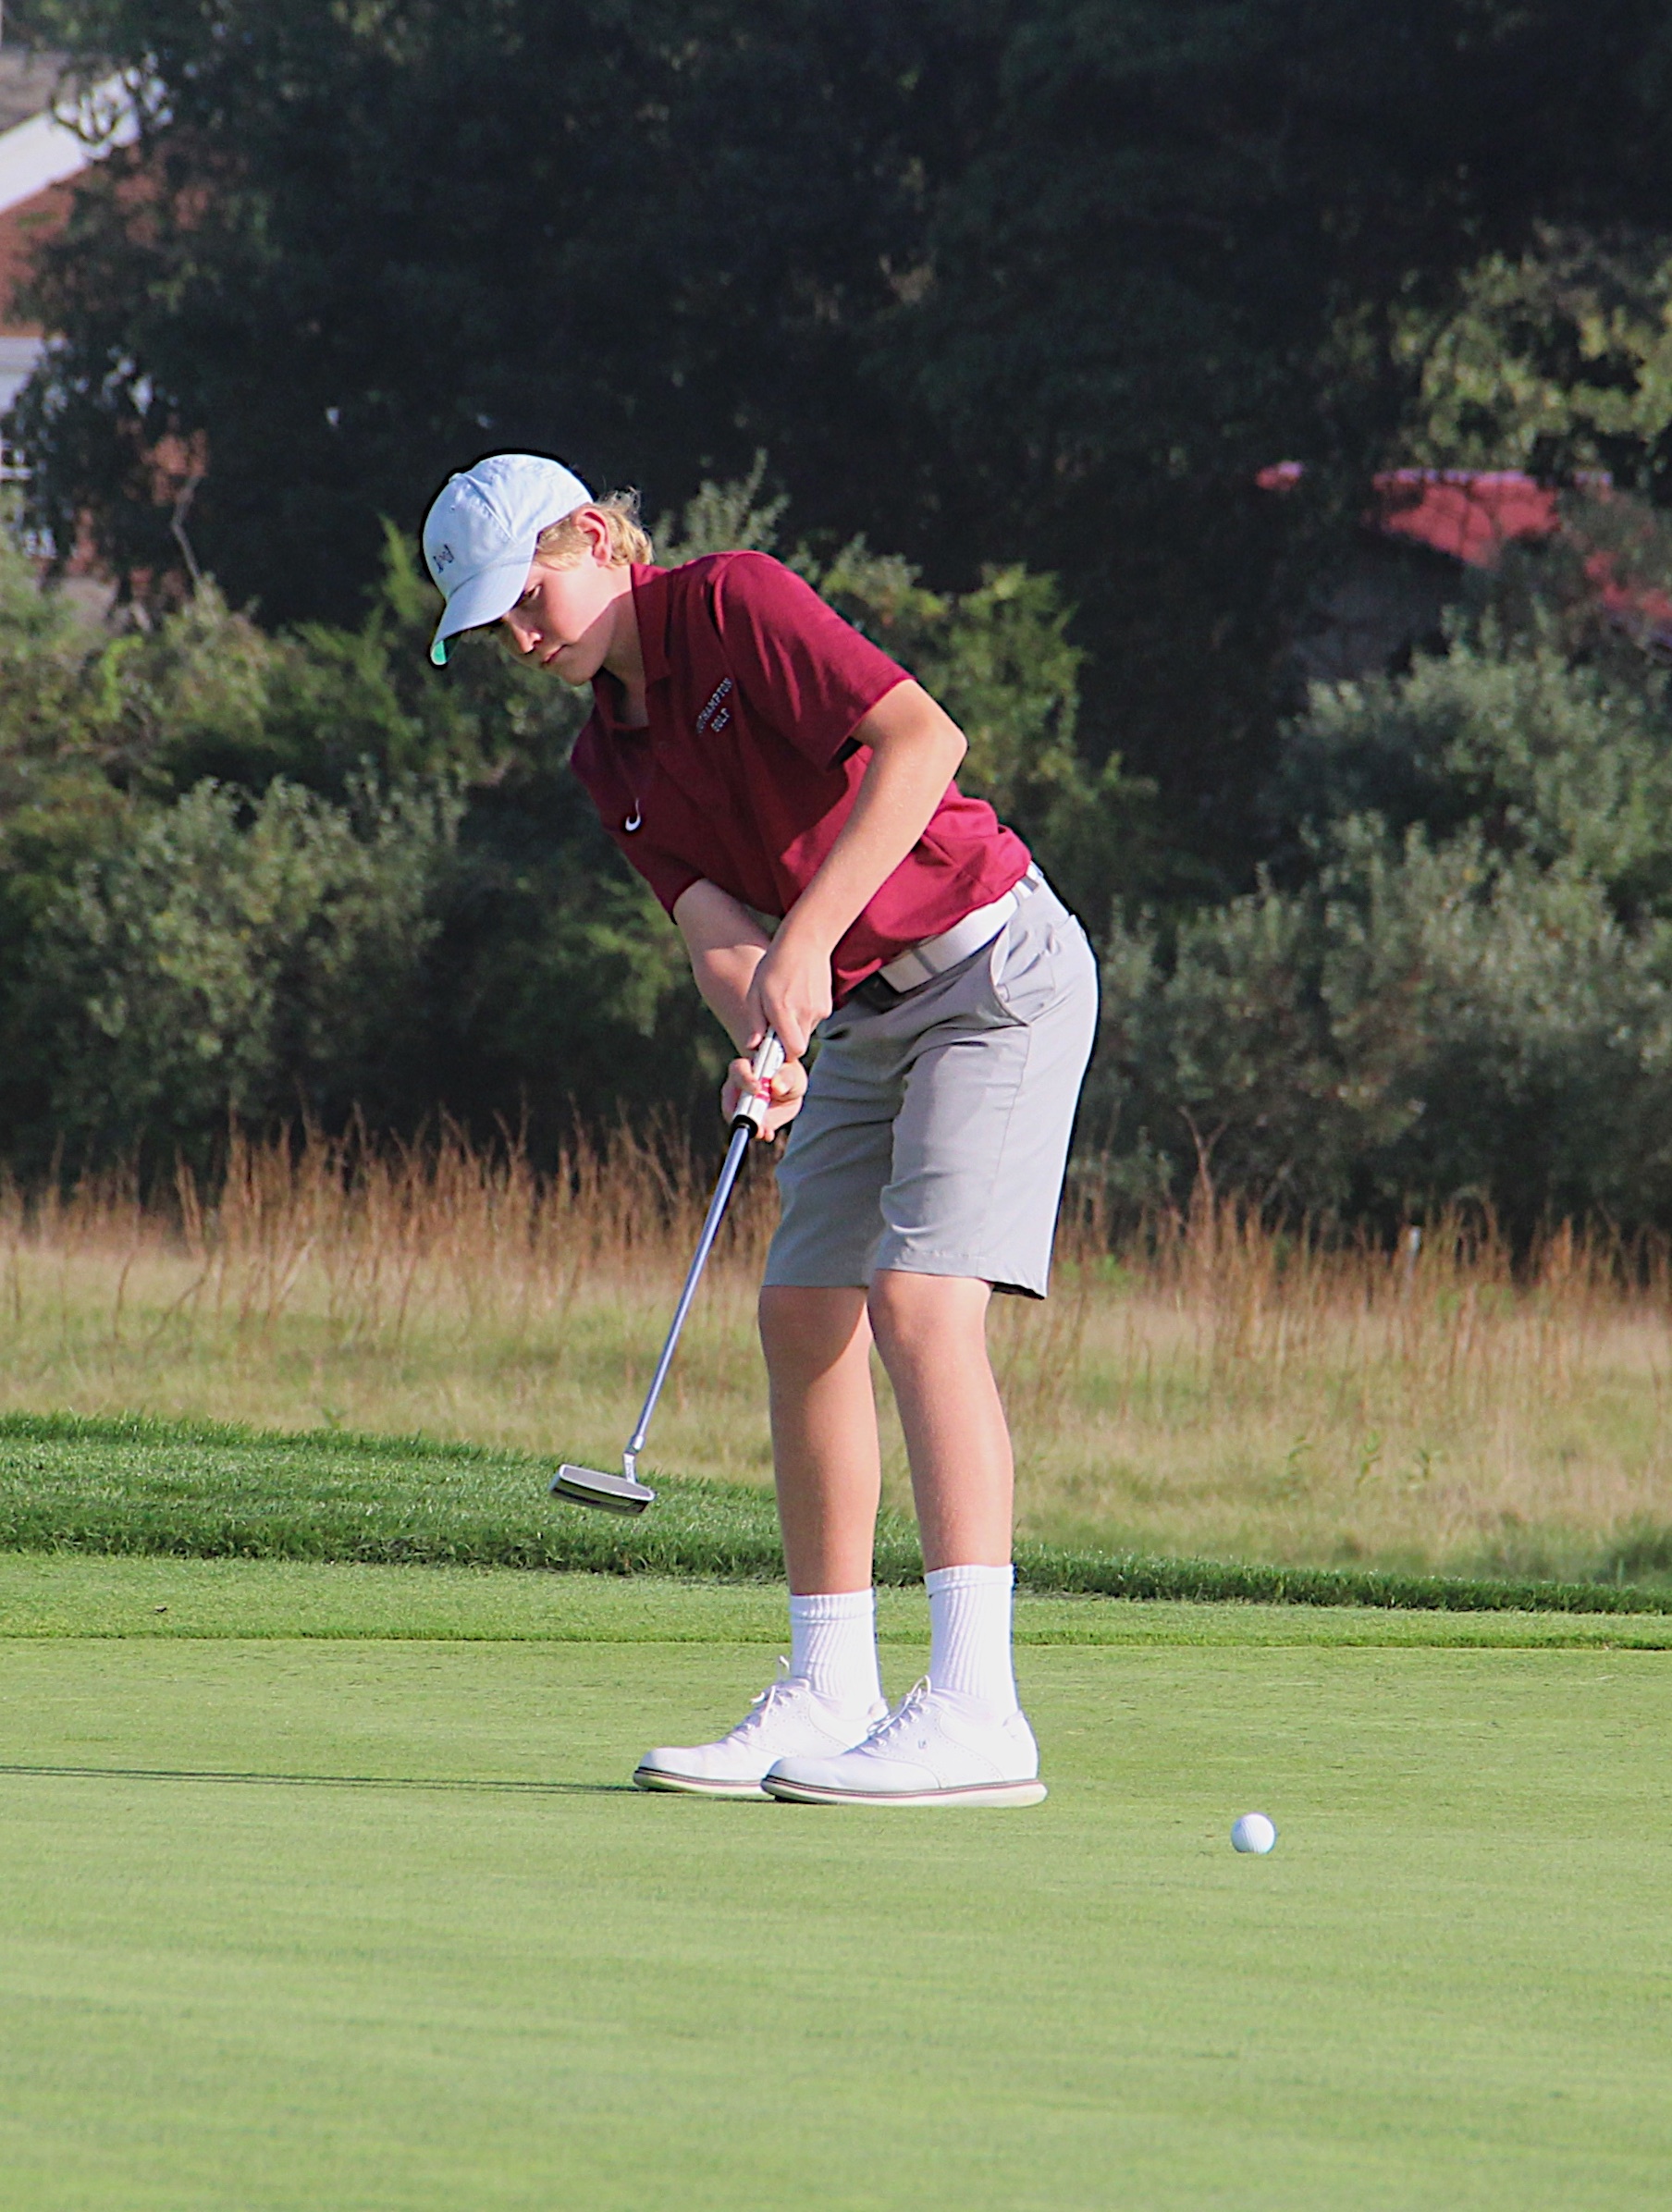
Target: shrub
<point>205,907</point>
<point>1462,992</point>
<point>238,960</point>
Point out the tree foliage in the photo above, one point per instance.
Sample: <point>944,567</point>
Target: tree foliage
<point>1024,292</point>
<point>1465,991</point>
<point>1026,280</point>
<point>257,875</point>
<point>231,960</point>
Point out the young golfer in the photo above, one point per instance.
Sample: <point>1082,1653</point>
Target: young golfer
<point>755,756</point>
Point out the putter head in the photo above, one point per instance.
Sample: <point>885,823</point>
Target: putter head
<point>591,1486</point>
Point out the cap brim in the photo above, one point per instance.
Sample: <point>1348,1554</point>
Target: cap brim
<point>481,599</point>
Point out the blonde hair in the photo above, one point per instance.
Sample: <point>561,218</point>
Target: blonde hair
<point>560,544</point>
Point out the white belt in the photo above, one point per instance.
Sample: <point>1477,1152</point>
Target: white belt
<point>921,964</point>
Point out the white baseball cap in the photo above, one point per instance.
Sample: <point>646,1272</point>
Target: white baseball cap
<point>479,537</point>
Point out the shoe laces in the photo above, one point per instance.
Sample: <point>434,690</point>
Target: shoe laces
<point>785,1690</point>
<point>908,1710</point>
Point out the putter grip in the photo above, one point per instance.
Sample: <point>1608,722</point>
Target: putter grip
<point>768,1058</point>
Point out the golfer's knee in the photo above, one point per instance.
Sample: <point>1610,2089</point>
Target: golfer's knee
<point>805,1331</point>
<point>925,1317</point>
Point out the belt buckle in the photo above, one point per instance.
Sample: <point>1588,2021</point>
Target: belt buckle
<point>878,995</point>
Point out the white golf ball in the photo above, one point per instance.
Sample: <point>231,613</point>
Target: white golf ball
<point>1253,1832</point>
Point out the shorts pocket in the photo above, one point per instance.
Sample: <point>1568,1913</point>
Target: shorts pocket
<point>1026,967</point>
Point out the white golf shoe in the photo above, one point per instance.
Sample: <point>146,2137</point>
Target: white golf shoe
<point>938,1749</point>
<point>790,1719</point>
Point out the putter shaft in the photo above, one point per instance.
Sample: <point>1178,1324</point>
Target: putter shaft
<point>741,1138</point>
<point>625,1492</point>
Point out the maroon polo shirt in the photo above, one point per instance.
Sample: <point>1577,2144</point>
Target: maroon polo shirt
<point>749,769</point>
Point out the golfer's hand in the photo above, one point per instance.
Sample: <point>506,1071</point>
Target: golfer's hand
<point>790,990</point>
<point>784,1091</point>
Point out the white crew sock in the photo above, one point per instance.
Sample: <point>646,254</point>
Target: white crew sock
<point>833,1646</point>
<point>970,1633</point>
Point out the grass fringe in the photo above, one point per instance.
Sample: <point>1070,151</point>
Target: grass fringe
<point>1206,1382</point>
<point>206,1489</point>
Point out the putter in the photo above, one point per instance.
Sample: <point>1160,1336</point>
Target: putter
<point>625,1492</point>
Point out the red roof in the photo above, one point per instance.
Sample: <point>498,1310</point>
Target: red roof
<point>1470,515</point>
<point>22,230</point>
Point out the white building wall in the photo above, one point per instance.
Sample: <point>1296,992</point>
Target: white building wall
<point>49,147</point>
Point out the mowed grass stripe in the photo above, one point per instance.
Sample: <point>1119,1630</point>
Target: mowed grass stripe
<point>198,1490</point>
<point>47,1596</point>
<point>68,1594</point>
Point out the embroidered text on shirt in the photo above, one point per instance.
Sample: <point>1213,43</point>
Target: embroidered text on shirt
<point>716,714</point>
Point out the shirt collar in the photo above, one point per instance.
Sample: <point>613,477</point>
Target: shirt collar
<point>653,610</point>
<point>653,605</point>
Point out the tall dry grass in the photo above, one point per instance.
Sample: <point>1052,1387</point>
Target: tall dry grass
<point>1200,1382</point>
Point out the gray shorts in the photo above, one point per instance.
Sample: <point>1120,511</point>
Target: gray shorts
<point>934,1134</point>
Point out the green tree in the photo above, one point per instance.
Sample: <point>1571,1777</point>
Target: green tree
<point>233,962</point>
<point>1507,738</point>
<point>1192,238</point>
<point>1557,360</point>
<point>357,247</point>
<point>1027,280</point>
<point>1465,992</point>
<point>542,978</point>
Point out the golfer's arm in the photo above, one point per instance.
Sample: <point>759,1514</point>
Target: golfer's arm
<point>916,751</point>
<point>725,943</point>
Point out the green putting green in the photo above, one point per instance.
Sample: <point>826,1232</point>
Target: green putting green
<point>340,1921</point>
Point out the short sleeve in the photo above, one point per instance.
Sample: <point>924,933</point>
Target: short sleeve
<point>803,670</point>
<point>668,877</point>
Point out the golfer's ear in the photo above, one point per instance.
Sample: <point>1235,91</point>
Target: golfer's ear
<point>596,523</point>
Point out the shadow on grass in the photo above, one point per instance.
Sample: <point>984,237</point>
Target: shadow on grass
<point>196,1774</point>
